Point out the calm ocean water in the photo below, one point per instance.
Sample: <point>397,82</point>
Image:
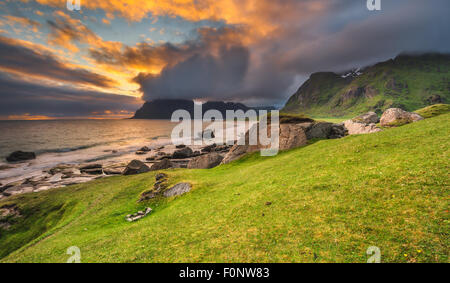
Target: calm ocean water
<point>78,141</point>
<point>61,136</point>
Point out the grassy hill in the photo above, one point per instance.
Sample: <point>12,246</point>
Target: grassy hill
<point>330,201</point>
<point>409,82</point>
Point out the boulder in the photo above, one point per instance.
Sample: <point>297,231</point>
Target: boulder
<point>206,161</point>
<point>368,118</point>
<point>20,156</point>
<point>395,117</point>
<point>182,153</point>
<point>136,167</point>
<point>162,165</point>
<point>180,146</point>
<point>319,131</point>
<point>291,136</point>
<point>357,128</point>
<point>324,130</point>
<point>178,189</point>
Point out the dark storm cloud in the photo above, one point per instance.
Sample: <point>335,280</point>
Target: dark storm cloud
<point>364,37</point>
<point>15,57</point>
<point>200,76</point>
<point>343,35</point>
<point>19,97</point>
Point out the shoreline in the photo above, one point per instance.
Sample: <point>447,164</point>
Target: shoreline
<point>77,172</point>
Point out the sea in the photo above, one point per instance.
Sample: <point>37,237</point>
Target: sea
<point>58,142</point>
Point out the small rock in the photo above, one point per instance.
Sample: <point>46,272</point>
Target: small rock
<point>97,171</point>
<point>145,149</point>
<point>180,146</point>
<point>139,215</point>
<point>20,156</point>
<point>209,148</point>
<point>55,178</point>
<point>141,152</point>
<point>182,153</point>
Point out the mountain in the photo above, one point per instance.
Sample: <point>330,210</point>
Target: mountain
<point>163,108</point>
<point>408,81</point>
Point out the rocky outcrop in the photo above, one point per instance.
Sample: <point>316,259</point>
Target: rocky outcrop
<point>136,167</point>
<point>395,117</point>
<point>160,189</point>
<point>20,156</point>
<point>206,161</point>
<point>160,185</point>
<point>178,189</point>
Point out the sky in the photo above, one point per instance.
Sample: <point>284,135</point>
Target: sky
<point>111,56</point>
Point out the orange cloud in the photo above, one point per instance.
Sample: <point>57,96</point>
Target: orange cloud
<point>263,17</point>
<point>23,22</point>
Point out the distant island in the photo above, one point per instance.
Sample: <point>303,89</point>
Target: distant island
<point>162,109</point>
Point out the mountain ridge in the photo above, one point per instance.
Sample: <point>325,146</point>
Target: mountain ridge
<point>407,81</point>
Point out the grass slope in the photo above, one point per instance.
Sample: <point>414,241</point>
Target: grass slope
<point>330,202</point>
<point>408,82</point>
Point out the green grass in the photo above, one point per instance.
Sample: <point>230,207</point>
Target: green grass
<point>433,110</point>
<point>330,201</point>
